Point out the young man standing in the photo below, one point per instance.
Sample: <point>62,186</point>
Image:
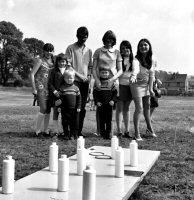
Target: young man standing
<point>81,59</point>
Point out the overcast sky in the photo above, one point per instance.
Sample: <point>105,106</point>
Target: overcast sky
<point>168,24</point>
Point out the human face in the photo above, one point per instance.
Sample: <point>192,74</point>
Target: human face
<point>62,63</point>
<point>82,39</point>
<point>104,74</point>
<point>108,43</point>
<point>144,47</point>
<point>125,51</point>
<point>69,79</point>
<point>47,54</point>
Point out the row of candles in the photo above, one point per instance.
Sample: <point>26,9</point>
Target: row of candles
<point>61,165</point>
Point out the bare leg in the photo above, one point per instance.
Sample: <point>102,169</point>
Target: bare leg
<point>126,115</point>
<point>146,112</point>
<point>39,122</point>
<point>119,108</point>
<point>46,123</point>
<point>136,116</point>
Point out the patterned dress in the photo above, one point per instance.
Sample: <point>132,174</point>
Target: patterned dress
<point>41,80</point>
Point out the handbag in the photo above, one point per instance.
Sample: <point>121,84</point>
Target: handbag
<point>157,92</point>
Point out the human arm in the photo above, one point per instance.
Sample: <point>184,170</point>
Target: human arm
<point>37,64</point>
<point>96,97</point>
<point>51,83</point>
<point>95,75</point>
<point>78,101</point>
<point>134,72</point>
<point>116,76</point>
<point>151,80</point>
<point>114,96</point>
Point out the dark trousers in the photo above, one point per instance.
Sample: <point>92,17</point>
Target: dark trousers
<point>70,122</point>
<point>105,119</point>
<point>84,88</point>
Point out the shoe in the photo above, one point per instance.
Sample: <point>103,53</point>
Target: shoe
<point>148,132</point>
<point>120,135</point>
<point>127,135</point>
<point>139,138</point>
<point>96,134</point>
<point>37,133</point>
<point>46,134</point>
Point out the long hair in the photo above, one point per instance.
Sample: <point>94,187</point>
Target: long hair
<point>148,57</point>
<point>109,34</point>
<point>127,44</point>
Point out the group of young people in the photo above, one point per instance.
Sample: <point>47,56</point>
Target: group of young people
<point>119,78</point>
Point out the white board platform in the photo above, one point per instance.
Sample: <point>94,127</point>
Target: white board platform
<point>42,185</point>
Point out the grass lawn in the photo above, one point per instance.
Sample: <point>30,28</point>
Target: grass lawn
<point>172,177</point>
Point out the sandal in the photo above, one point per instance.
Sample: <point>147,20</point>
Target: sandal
<point>139,138</point>
<point>151,134</point>
<point>127,135</point>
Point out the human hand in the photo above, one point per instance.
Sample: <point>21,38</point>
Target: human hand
<point>58,102</point>
<point>56,93</point>
<point>89,77</point>
<point>152,94</point>
<point>99,104</point>
<point>83,78</point>
<point>98,83</point>
<point>158,81</point>
<point>110,83</point>
<point>111,103</point>
<point>34,92</point>
<point>78,109</point>
<point>132,79</point>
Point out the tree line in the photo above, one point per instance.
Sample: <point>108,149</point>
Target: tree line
<point>16,54</point>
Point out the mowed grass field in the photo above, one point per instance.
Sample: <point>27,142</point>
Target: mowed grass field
<point>172,177</point>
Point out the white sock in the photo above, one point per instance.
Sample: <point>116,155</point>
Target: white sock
<point>39,122</point>
<point>55,124</point>
<point>46,122</point>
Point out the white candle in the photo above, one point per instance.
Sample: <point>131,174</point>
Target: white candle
<point>53,157</point>
<point>114,145</point>
<point>81,161</point>
<point>80,142</point>
<point>89,183</point>
<point>133,153</point>
<point>119,162</point>
<point>63,174</point>
<point>8,175</point>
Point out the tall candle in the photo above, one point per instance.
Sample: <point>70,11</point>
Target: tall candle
<point>81,160</point>
<point>8,175</point>
<point>133,153</point>
<point>53,157</point>
<point>114,145</point>
<point>63,174</point>
<point>89,183</point>
<point>119,162</point>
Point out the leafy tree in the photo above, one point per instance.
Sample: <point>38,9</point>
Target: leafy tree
<point>34,46</point>
<point>11,42</point>
<point>15,56</point>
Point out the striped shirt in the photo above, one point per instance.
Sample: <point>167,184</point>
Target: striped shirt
<point>104,94</point>
<point>70,97</point>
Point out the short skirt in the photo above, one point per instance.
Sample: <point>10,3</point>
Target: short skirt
<point>139,89</point>
<point>124,93</point>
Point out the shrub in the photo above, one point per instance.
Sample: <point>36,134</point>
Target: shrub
<point>18,83</point>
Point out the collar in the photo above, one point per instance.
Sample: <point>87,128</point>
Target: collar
<point>81,47</point>
<point>112,50</point>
